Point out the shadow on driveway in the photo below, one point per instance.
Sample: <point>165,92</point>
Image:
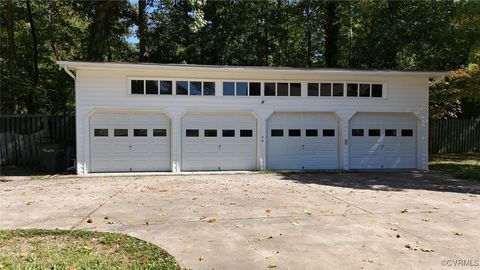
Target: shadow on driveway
<point>388,181</point>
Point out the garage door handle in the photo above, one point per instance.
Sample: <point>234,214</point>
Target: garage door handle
<point>130,147</point>
<point>219,147</point>
<point>303,146</point>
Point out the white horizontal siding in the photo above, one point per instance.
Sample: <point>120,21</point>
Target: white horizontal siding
<point>103,89</point>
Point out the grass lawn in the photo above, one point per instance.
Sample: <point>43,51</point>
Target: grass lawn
<point>75,250</point>
<point>466,166</point>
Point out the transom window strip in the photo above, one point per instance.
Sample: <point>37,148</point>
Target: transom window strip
<point>333,89</point>
<point>244,88</point>
<point>165,87</point>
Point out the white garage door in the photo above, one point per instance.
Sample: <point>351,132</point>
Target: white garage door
<point>121,142</point>
<point>302,141</point>
<point>220,141</point>
<point>382,141</point>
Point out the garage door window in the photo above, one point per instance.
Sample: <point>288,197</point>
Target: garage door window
<point>282,89</point>
<point>311,133</point>
<point>295,89</point>
<point>365,90</point>
<point>269,89</point>
<point>159,132</point>
<point>312,90</point>
<point>241,88</point>
<point>140,132</point>
<point>137,87</point>
<point>210,133</point>
<point>151,87</point>
<point>325,89</point>
<point>374,132</point>
<point>246,133</point>
<point>120,132</point>
<point>377,90</point>
<point>195,88</point>
<point>407,132</point>
<point>165,87</point>
<point>357,132</point>
<point>390,132</point>
<point>338,89</point>
<point>254,89</point>
<point>329,133</point>
<point>228,133</point>
<point>352,90</point>
<point>229,89</point>
<point>100,132</point>
<point>191,133</point>
<point>294,133</point>
<point>277,132</point>
<point>182,88</point>
<point>209,89</point>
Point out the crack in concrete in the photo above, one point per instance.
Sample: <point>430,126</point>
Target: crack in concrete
<point>105,202</point>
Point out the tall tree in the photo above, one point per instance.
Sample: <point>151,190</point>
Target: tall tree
<point>100,29</point>
<point>331,34</point>
<point>34,58</point>
<point>12,54</point>
<point>142,28</point>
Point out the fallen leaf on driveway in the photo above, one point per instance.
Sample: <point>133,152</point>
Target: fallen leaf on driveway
<point>411,247</point>
<point>203,217</point>
<point>404,211</point>
<point>426,219</point>
<point>201,258</point>
<point>271,266</point>
<point>427,250</point>
<point>212,220</point>
<point>268,210</point>
<point>306,212</point>
<point>89,220</point>
<point>294,222</point>
<point>458,234</point>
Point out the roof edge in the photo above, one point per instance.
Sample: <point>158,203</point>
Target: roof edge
<point>76,65</point>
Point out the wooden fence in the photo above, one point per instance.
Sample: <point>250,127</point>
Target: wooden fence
<point>21,136</point>
<point>454,136</point>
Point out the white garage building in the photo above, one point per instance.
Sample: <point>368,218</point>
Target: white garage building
<point>176,117</point>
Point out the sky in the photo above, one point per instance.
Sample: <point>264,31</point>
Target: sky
<point>133,39</point>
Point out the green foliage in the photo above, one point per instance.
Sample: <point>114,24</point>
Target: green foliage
<point>59,249</point>
<point>449,97</point>
<point>463,165</point>
<point>364,34</point>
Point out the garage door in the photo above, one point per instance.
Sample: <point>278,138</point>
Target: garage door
<point>122,142</point>
<point>382,141</point>
<point>302,141</point>
<point>219,141</point>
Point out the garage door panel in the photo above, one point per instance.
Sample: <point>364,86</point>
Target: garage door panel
<point>314,151</point>
<point>222,152</point>
<point>386,151</point>
<point>129,153</point>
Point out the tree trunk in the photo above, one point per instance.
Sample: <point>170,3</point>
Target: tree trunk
<point>12,53</point>
<point>142,28</point>
<point>331,35</point>
<point>35,58</point>
<point>390,59</point>
<point>100,29</point>
<point>308,34</point>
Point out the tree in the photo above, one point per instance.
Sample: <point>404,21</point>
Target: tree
<point>331,34</point>
<point>142,28</point>
<point>35,75</point>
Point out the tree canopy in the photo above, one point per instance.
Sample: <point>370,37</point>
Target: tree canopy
<point>364,34</point>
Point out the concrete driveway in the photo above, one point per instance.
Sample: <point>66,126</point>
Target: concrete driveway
<point>260,221</point>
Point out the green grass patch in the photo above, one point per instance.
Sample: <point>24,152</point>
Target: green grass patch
<point>466,166</point>
<point>75,250</point>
